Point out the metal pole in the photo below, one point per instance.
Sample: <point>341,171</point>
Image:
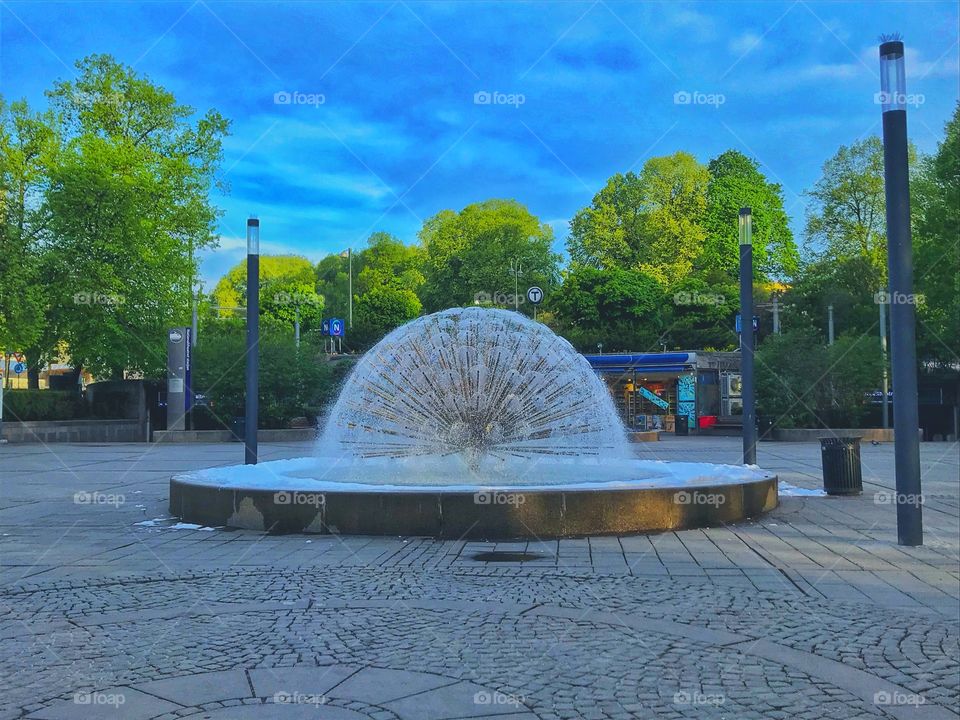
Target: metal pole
<point>776,314</point>
<point>829,324</point>
<point>883,357</point>
<point>746,337</point>
<point>194,322</point>
<point>903,340</point>
<point>350,288</point>
<point>296,325</point>
<point>253,341</point>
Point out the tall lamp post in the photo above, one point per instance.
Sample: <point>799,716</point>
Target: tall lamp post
<point>903,336</point>
<point>253,341</point>
<point>746,337</point>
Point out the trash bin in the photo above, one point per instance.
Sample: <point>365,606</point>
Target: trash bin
<point>238,428</point>
<point>841,465</point>
<point>680,425</point>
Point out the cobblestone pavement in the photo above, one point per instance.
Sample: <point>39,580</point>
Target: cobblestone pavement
<point>811,611</point>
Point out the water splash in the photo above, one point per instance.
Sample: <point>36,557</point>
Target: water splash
<point>477,383</point>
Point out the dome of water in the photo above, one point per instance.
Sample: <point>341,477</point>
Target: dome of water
<point>482,384</point>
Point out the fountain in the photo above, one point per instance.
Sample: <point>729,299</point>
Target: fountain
<point>472,423</point>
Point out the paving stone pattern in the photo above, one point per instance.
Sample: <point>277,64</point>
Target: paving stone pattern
<point>812,611</point>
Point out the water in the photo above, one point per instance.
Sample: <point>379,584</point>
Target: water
<point>485,389</point>
<point>471,399</point>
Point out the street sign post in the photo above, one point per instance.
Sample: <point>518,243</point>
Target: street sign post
<point>535,297</point>
<point>756,323</point>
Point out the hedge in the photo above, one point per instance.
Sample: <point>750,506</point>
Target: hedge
<point>43,405</point>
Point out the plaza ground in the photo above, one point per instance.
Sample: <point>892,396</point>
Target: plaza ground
<point>811,611</point>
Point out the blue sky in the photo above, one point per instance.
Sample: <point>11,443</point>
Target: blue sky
<point>577,91</point>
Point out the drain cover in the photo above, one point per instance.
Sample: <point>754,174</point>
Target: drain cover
<point>506,556</point>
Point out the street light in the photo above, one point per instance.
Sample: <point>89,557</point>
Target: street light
<point>903,334</point>
<point>253,341</point>
<point>746,337</point>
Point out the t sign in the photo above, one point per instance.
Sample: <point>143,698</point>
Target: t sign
<point>535,295</point>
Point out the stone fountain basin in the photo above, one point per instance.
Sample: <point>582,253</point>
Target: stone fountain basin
<point>541,498</point>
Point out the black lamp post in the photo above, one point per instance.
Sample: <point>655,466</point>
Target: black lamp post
<point>253,341</point>
<point>903,335</point>
<point>746,338</point>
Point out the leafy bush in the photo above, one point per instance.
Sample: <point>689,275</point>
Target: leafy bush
<point>801,382</point>
<point>43,405</point>
<point>293,382</point>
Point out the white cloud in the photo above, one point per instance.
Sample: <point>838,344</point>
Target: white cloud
<point>745,43</point>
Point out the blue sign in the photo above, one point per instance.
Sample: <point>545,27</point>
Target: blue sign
<point>19,367</point>
<point>654,398</point>
<point>336,327</point>
<point>325,327</point>
<point>756,323</point>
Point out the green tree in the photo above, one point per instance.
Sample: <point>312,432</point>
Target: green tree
<point>651,221</point>
<point>287,285</point>
<point>849,284</point>
<point>618,308</point>
<point>130,207</point>
<point>936,239</point>
<point>333,282</point>
<point>470,252</point>
<point>387,262</point>
<point>847,214</point>
<point>28,151</point>
<point>293,382</point>
<point>736,182</point>
<point>802,382</point>
<point>380,310</point>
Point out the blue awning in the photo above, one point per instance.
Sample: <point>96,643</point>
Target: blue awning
<point>643,368</point>
<point>650,362</point>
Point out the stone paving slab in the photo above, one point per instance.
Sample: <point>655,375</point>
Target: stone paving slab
<point>811,611</point>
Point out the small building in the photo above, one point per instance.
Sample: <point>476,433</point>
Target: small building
<point>652,390</point>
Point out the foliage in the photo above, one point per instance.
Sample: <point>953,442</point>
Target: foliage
<point>649,222</point>
<point>28,148</point>
<point>43,405</point>
<point>699,312</point>
<point>382,309</point>
<point>129,203</point>
<point>801,382</point>
<point>387,262</point>
<point>936,243</point>
<point>470,252</point>
<point>847,215</point>
<point>333,282</point>
<point>293,382</point>
<point>736,182</point>
<point>849,284</point>
<point>287,286</point>
<point>616,307</point>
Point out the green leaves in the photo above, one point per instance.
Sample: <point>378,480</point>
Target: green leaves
<point>470,253</point>
<point>117,178</point>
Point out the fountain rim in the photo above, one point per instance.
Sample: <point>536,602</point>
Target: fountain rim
<point>449,512</point>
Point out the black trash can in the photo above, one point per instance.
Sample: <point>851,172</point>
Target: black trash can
<point>841,465</point>
<point>680,425</point>
<point>238,428</point>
